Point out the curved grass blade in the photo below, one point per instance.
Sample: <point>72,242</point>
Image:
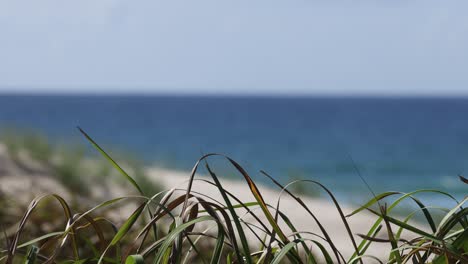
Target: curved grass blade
<point>371,202</point>
<point>282,253</point>
<point>33,241</point>
<point>261,201</point>
<point>97,229</point>
<point>409,227</point>
<point>336,252</point>
<point>174,234</point>
<point>325,253</point>
<point>210,208</point>
<point>258,196</point>
<point>236,206</point>
<point>31,207</point>
<point>454,219</point>
<point>190,183</point>
<point>393,205</point>
<point>293,229</point>
<point>461,242</point>
<point>396,202</point>
<point>244,205</point>
<point>240,230</point>
<point>447,216</point>
<point>366,256</point>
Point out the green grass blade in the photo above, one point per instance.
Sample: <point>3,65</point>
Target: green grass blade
<point>124,229</point>
<point>174,234</point>
<point>235,218</point>
<point>32,255</point>
<point>410,228</point>
<point>405,195</point>
<point>216,258</point>
<point>293,229</point>
<point>135,259</point>
<point>393,205</point>
<point>256,193</point>
<point>461,242</point>
<point>447,216</point>
<point>324,251</point>
<point>394,253</point>
<point>336,252</point>
<point>454,219</point>
<point>32,206</point>
<point>284,251</point>
<point>127,225</point>
<point>371,202</point>
<point>236,206</point>
<point>122,171</point>
<point>33,241</point>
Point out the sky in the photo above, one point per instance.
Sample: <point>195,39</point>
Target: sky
<point>330,47</point>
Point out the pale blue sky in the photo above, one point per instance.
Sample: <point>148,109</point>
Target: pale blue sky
<point>240,46</point>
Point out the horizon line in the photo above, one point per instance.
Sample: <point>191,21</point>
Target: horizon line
<point>357,94</point>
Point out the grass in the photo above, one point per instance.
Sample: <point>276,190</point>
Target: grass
<point>66,162</point>
<point>191,228</point>
<point>35,143</point>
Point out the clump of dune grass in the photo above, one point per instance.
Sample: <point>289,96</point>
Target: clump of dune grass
<point>66,162</point>
<point>165,228</point>
<point>35,143</point>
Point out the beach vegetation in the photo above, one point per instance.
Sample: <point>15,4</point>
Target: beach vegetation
<point>166,227</point>
<point>67,162</point>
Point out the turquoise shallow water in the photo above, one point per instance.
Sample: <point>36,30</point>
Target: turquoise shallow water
<point>396,143</point>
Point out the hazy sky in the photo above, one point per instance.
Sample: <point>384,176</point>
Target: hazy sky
<point>239,46</point>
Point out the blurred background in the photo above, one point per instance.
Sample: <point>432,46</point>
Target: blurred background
<point>320,90</point>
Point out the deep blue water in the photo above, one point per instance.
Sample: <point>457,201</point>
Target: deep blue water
<point>396,143</point>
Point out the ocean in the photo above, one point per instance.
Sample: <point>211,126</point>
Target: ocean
<point>399,144</point>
